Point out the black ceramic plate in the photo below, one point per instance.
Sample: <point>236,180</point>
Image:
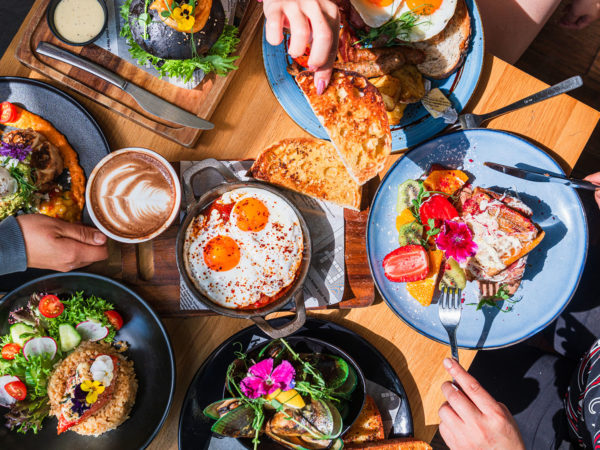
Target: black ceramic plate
<point>149,349</point>
<point>71,119</point>
<point>194,428</point>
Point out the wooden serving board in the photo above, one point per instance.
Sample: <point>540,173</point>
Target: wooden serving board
<point>162,291</point>
<point>201,100</point>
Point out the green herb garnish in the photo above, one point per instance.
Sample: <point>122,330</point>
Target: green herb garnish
<point>396,28</point>
<point>492,301</point>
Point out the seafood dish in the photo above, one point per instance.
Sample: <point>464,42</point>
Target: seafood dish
<point>180,37</point>
<point>245,250</point>
<point>39,170</point>
<point>297,399</point>
<point>450,232</point>
<point>61,358</point>
<point>399,44</point>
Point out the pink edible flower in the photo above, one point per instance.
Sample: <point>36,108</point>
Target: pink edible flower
<point>456,240</point>
<point>262,379</point>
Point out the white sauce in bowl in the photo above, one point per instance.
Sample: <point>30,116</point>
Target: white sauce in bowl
<point>79,21</point>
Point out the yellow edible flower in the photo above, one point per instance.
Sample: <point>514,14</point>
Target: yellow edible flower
<point>93,388</point>
<point>184,17</point>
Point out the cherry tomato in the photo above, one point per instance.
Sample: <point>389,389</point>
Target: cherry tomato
<point>8,112</point>
<point>114,318</point>
<point>16,389</point>
<point>51,306</point>
<point>9,351</point>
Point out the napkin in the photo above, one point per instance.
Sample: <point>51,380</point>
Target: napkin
<point>325,282</point>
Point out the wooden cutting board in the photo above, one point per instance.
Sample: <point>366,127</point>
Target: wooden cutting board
<point>201,100</point>
<point>162,291</point>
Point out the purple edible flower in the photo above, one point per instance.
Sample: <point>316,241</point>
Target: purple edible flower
<point>262,379</point>
<point>14,151</point>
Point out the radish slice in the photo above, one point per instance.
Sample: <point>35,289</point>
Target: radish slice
<point>39,346</point>
<point>90,330</point>
<point>7,400</point>
<point>102,369</point>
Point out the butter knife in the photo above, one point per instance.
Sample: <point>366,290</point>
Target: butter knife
<point>148,101</point>
<point>542,176</point>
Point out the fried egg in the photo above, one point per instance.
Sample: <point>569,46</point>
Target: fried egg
<point>247,246</point>
<point>432,16</point>
<point>376,12</point>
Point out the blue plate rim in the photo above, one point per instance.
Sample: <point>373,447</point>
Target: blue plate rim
<point>484,347</point>
<point>150,310</point>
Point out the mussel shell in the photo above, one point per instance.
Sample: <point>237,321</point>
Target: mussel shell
<point>349,386</point>
<point>236,423</point>
<point>217,409</point>
<point>167,43</point>
<point>334,369</point>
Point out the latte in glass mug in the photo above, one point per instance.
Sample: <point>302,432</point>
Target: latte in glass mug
<point>133,195</point>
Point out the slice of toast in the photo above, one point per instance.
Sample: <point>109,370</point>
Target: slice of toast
<point>367,427</point>
<point>393,444</point>
<point>353,113</point>
<point>445,53</point>
<point>507,234</point>
<point>309,166</point>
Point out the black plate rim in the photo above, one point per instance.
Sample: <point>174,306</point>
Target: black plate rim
<point>320,322</point>
<point>47,86</point>
<point>143,303</point>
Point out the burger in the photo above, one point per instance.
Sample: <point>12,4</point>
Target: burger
<point>178,37</point>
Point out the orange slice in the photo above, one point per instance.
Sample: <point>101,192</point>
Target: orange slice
<point>403,218</point>
<point>423,290</point>
<point>444,180</point>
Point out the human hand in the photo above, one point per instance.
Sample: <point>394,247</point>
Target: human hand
<point>595,178</point>
<point>471,418</point>
<point>580,13</point>
<point>310,21</point>
<point>58,245</point>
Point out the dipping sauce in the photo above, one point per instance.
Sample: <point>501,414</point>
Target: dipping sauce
<point>79,21</point>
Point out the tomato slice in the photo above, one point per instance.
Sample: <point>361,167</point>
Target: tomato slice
<point>8,112</point>
<point>16,389</point>
<point>114,318</point>
<point>9,351</point>
<point>51,306</point>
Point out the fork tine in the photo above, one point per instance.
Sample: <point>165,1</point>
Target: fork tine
<point>457,298</point>
<point>454,127</point>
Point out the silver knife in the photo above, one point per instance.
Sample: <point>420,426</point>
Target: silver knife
<point>541,176</point>
<point>148,101</point>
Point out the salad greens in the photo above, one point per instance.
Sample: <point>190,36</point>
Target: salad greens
<point>34,368</point>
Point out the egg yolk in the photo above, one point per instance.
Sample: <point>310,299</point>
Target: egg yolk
<point>251,214</point>
<point>221,253</point>
<point>382,2</point>
<point>424,7</point>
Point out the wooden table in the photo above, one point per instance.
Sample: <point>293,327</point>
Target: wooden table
<point>248,119</point>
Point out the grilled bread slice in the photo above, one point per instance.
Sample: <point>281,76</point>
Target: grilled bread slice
<point>445,52</point>
<point>309,166</point>
<point>393,444</point>
<point>509,233</point>
<point>352,111</point>
<point>367,427</point>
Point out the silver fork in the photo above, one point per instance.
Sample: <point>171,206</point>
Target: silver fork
<point>468,121</point>
<point>449,310</point>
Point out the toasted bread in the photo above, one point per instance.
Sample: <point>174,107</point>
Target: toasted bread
<point>367,427</point>
<point>393,444</point>
<point>445,53</point>
<point>309,166</point>
<point>353,112</point>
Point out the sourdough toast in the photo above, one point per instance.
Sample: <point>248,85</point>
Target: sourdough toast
<point>393,444</point>
<point>309,166</point>
<point>353,113</point>
<point>367,427</point>
<point>445,53</point>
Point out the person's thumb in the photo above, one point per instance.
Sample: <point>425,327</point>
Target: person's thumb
<point>82,233</point>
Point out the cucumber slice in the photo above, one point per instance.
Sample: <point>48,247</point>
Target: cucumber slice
<point>21,333</point>
<point>69,337</point>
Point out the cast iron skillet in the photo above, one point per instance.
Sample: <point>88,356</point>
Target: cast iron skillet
<point>196,206</point>
<point>72,120</point>
<point>194,428</point>
<point>149,349</point>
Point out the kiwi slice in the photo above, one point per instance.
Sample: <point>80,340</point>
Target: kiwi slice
<point>407,192</point>
<point>410,233</point>
<point>453,275</point>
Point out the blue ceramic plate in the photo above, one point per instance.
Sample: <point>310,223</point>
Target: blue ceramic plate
<point>553,268</point>
<point>416,125</point>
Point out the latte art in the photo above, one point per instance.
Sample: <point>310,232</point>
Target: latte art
<point>133,195</point>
